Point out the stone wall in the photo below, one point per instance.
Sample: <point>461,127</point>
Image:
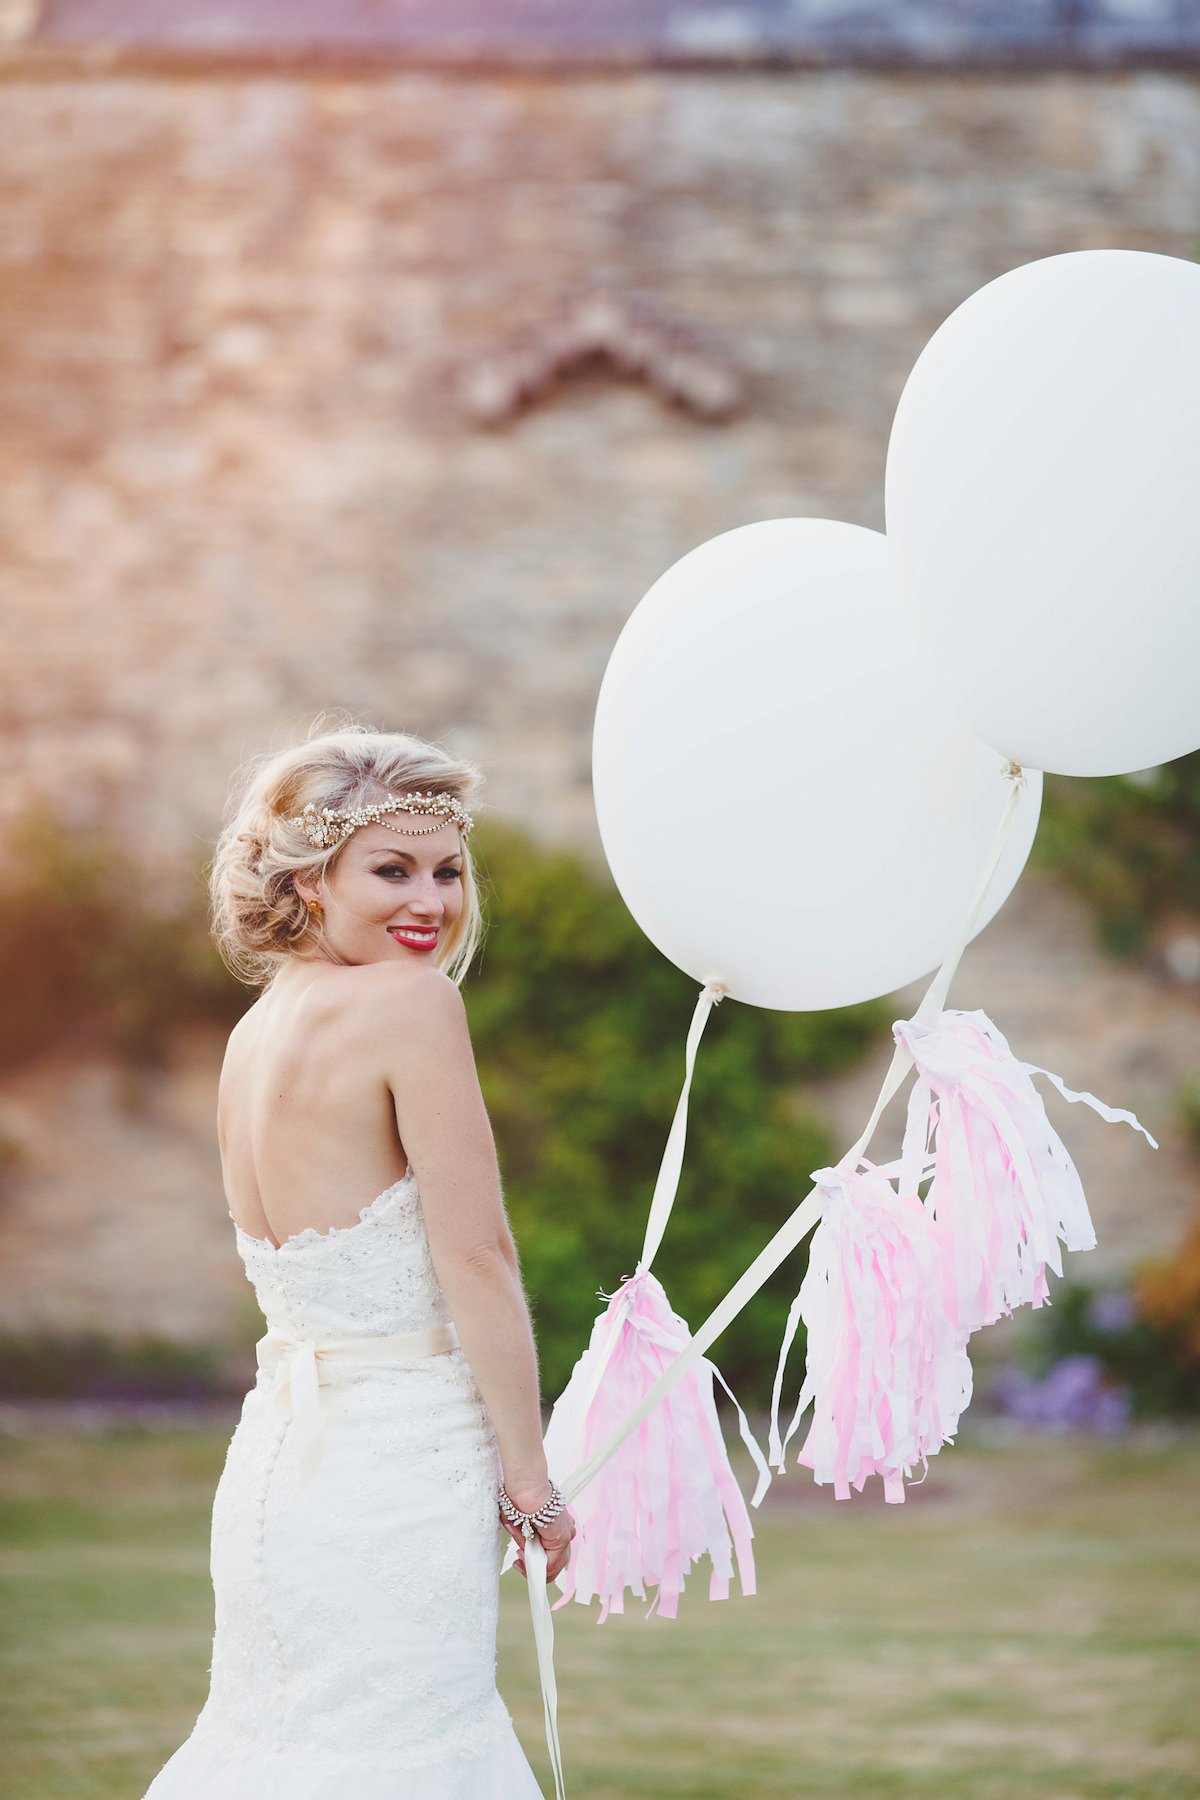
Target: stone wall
<point>236,481</point>
<point>238,484</point>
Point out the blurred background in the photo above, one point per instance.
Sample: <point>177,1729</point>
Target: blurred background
<point>377,356</point>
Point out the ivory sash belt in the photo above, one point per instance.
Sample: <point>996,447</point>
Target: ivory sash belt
<point>301,1367</point>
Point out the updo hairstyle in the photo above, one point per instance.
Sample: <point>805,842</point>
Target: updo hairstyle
<point>258,918</point>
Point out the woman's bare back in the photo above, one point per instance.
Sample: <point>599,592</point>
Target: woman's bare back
<point>305,1116</point>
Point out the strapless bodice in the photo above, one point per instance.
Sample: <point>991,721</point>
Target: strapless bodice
<point>375,1277</point>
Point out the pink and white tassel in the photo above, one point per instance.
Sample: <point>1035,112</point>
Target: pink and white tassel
<point>887,1372</point>
<point>668,1496</point>
<point>1005,1191</point>
<point>646,1511</point>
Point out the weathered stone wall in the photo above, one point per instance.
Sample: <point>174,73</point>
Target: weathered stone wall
<point>236,486</point>
<point>235,482</point>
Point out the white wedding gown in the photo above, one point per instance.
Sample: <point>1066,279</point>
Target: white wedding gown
<point>355,1647</point>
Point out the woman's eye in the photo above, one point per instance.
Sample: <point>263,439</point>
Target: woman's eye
<point>390,869</point>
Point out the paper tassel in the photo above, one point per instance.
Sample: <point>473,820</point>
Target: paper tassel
<point>888,1374</point>
<point>1005,1191</point>
<point>668,1496</point>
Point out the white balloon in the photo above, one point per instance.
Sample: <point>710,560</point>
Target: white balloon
<point>783,797</point>
<point>1043,499</point>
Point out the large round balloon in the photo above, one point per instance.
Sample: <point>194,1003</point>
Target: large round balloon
<point>1043,498</point>
<point>784,799</point>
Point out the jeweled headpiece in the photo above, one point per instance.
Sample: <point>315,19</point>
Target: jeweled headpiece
<point>329,826</point>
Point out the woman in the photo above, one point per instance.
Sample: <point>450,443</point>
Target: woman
<point>394,1431</point>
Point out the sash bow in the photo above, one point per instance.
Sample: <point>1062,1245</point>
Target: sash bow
<point>299,1368</point>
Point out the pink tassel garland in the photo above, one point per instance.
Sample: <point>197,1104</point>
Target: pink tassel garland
<point>668,1496</point>
<point>1005,1190</point>
<point>887,1373</point>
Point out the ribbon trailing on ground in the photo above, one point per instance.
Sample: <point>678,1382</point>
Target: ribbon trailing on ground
<point>543,1639</point>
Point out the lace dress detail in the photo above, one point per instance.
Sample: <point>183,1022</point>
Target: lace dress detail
<point>355,1643</point>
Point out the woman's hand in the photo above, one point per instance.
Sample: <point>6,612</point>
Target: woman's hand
<point>555,1537</point>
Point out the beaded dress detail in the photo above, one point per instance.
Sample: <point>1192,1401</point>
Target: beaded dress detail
<point>355,1643</point>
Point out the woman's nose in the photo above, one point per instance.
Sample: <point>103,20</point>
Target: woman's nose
<point>427,901</point>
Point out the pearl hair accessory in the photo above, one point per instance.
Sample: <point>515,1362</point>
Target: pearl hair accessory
<point>328,827</point>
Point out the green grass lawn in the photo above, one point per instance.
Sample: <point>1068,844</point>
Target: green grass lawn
<point>1027,1625</point>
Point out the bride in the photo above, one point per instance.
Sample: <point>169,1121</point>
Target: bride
<point>394,1432</point>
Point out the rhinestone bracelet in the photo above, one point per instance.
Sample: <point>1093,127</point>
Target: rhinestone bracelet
<point>531,1522</point>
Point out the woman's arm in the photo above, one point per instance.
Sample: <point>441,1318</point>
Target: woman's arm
<point>447,1136</point>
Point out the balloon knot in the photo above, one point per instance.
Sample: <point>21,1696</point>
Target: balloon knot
<point>1012,771</point>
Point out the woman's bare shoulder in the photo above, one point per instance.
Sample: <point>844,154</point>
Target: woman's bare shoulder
<point>417,996</point>
<point>364,998</point>
<point>244,1031</point>
<point>353,1008</point>
<point>411,1022</point>
<point>237,1063</point>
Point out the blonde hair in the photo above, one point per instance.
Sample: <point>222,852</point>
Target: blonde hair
<point>258,918</point>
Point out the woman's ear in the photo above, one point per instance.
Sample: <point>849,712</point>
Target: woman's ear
<point>306,887</point>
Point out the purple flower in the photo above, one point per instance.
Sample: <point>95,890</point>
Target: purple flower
<point>1114,1310</point>
<point>1072,1396</point>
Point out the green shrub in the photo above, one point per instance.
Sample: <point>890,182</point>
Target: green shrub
<point>579,1027</point>
<point>1187,1106</point>
<point>1129,844</point>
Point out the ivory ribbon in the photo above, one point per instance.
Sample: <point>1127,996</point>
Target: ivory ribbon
<point>667,1185</point>
<point>1113,1115</point>
<point>543,1639</point>
<point>301,1367</point>
<point>785,1240</point>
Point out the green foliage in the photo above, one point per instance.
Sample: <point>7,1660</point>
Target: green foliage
<point>1187,1107</point>
<point>87,961</point>
<point>1130,844</point>
<point>579,1025</point>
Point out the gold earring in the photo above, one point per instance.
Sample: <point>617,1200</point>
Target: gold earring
<point>315,915</point>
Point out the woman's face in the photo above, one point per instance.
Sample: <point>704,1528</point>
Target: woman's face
<point>390,897</point>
